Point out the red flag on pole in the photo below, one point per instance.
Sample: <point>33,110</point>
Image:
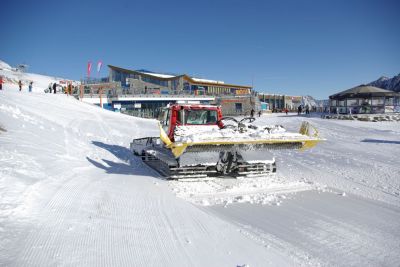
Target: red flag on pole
<point>89,68</point>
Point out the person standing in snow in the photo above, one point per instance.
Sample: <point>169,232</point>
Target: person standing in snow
<point>30,87</point>
<point>252,113</point>
<point>259,113</point>
<point>20,85</point>
<point>1,82</point>
<point>307,109</point>
<point>54,87</point>
<point>299,110</point>
<point>70,88</point>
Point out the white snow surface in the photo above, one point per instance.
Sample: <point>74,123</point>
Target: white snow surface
<point>197,133</point>
<point>40,82</point>
<point>159,75</point>
<point>72,194</point>
<point>162,75</point>
<point>4,66</point>
<point>207,81</point>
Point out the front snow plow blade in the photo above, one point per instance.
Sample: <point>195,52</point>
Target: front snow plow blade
<point>223,155</point>
<point>307,137</point>
<point>181,148</point>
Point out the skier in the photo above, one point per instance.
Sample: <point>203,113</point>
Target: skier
<point>54,87</point>
<point>259,113</point>
<point>30,87</point>
<point>307,109</point>
<point>1,82</point>
<point>286,111</point>
<point>20,85</point>
<point>252,113</point>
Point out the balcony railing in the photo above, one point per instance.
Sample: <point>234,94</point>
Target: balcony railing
<point>127,92</point>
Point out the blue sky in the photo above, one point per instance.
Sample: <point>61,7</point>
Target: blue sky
<point>294,47</point>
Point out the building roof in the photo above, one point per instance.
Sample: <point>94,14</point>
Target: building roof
<point>168,77</point>
<point>364,90</point>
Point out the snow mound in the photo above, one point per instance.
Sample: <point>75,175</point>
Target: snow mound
<point>213,133</point>
<point>267,190</point>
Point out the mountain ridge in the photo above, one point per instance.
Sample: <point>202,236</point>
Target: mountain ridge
<point>387,83</point>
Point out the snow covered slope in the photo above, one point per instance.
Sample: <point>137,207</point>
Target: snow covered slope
<point>71,194</point>
<point>11,77</point>
<point>5,66</point>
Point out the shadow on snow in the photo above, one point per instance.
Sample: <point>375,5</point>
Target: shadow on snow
<point>130,165</point>
<point>380,141</point>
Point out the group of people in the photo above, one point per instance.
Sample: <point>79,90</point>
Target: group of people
<point>67,89</point>
<point>252,112</point>
<point>30,86</point>
<point>300,110</point>
<point>52,86</point>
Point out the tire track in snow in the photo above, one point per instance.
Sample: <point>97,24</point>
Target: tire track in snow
<point>40,245</point>
<point>69,190</point>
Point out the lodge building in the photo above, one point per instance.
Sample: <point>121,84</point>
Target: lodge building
<point>147,82</point>
<point>144,93</point>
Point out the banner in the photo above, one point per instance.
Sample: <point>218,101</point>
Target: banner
<point>99,65</point>
<point>89,68</point>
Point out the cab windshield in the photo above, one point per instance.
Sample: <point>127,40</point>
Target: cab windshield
<point>198,116</point>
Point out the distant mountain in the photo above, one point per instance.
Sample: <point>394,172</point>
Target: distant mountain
<point>312,102</point>
<point>308,101</point>
<point>392,84</point>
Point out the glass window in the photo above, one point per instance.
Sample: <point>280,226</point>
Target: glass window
<point>186,86</point>
<point>365,102</point>
<point>333,103</point>
<point>116,76</point>
<point>352,102</point>
<point>238,107</point>
<point>175,84</point>
<point>378,101</point>
<point>389,101</point>
<point>200,116</point>
<point>166,117</point>
<point>378,110</point>
<point>180,117</point>
<point>155,81</point>
<point>341,103</point>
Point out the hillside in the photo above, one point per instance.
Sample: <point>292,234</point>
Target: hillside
<point>72,194</point>
<point>12,76</point>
